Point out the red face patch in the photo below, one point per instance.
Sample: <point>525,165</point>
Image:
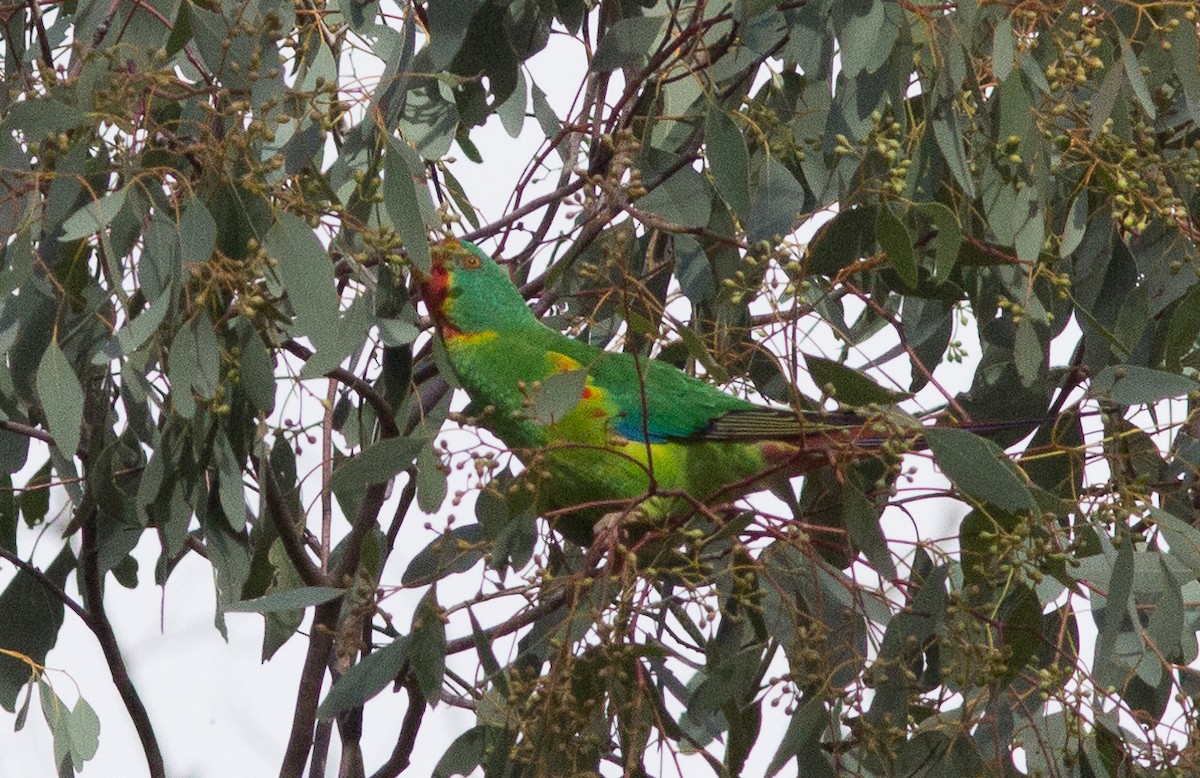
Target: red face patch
<point>435,287</point>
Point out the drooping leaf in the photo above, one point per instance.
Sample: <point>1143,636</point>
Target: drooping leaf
<point>897,244</point>
<point>404,207</point>
<point>30,618</point>
<point>1003,48</point>
<point>979,468</point>
<point>464,755</point>
<point>427,645</point>
<point>627,43</point>
<point>456,551</point>
<point>844,240</point>
<point>558,394</point>
<point>1077,217</point>
<point>1137,385</point>
<point>377,463</point>
<point>681,199</point>
<point>850,387</point>
<point>307,273</point>
<point>367,678</point>
<point>290,599</point>
<point>948,240</point>
<point>728,160</point>
<point>777,200</point>
<point>94,216</point>
<point>1116,603</point>
<point>62,398</point>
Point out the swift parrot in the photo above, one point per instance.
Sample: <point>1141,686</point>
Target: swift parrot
<point>641,434</point>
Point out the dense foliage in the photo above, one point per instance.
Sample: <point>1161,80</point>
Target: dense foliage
<point>208,213</point>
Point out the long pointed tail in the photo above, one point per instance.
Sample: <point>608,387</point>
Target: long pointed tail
<point>787,426</point>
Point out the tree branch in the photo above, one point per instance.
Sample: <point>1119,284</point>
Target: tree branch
<point>382,409</point>
<point>320,645</point>
<point>27,431</point>
<point>93,596</point>
<point>286,526</point>
<point>406,497</point>
<point>320,749</point>
<point>48,585</point>
<point>522,619</point>
<point>406,741</point>
<point>325,616</point>
<point>551,198</point>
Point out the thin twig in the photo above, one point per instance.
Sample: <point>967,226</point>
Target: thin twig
<point>321,639</point>
<point>320,749</point>
<point>97,38</point>
<point>383,410</point>
<point>327,474</point>
<point>35,11</point>
<point>559,194</point>
<point>27,431</point>
<point>350,731</point>
<point>406,498</point>
<point>522,619</point>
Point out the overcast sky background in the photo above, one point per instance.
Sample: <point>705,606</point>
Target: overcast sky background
<point>219,711</point>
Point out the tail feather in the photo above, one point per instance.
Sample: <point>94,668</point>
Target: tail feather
<point>786,425</point>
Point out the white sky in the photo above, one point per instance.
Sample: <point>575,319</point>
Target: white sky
<point>217,710</point>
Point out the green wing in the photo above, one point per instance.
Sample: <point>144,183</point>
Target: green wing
<point>676,406</point>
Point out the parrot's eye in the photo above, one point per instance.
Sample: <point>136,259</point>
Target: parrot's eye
<point>470,262</point>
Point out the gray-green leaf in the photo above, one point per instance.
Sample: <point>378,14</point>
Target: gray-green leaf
<point>979,468</point>
<point>627,43</point>
<point>62,398</point>
<point>290,599</point>
<point>94,216</point>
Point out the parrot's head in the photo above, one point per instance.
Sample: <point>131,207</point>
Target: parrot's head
<point>468,293</point>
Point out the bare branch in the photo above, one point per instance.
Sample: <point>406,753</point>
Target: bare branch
<point>27,431</point>
<point>386,417</point>
<point>406,741</point>
<point>93,595</point>
<point>312,675</point>
<point>289,529</point>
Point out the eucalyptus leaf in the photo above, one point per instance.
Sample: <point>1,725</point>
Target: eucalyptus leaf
<point>979,468</point>
<point>776,202</point>
<point>94,216</point>
<point>558,394</point>
<point>379,462</point>
<point>1137,385</point>
<point>728,160</point>
<point>62,398</point>
<point>948,240</point>
<point>427,645</point>
<point>290,599</point>
<point>464,755</point>
<point>849,386</point>
<point>627,43</point>
<point>367,678</point>
<point>456,551</point>
<point>897,244</point>
<point>404,207</point>
<point>30,618</point>
<point>307,273</point>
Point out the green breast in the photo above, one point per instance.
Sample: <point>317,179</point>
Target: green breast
<point>579,460</point>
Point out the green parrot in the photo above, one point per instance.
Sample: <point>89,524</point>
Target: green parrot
<point>643,436</point>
